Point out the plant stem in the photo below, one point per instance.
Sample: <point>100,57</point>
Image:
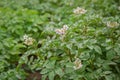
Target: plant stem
<point>70,56</point>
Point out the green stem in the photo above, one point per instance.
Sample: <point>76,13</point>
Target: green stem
<point>69,53</point>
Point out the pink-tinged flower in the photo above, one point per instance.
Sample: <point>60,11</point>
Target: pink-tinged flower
<point>77,64</point>
<point>112,24</point>
<point>79,10</point>
<point>28,40</point>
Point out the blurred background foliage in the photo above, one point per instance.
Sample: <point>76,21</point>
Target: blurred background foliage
<point>98,47</point>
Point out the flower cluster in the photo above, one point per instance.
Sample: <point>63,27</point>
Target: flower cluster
<point>112,24</point>
<point>79,10</point>
<point>77,64</point>
<point>62,31</point>
<point>28,40</point>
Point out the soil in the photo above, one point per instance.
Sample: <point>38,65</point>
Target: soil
<point>34,76</point>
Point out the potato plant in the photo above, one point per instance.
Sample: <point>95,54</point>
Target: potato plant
<point>59,39</point>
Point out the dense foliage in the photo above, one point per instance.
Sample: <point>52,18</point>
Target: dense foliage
<point>60,39</point>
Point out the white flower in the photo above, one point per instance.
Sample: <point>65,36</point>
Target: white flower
<point>77,64</point>
<point>25,36</point>
<point>65,27</point>
<point>79,10</point>
<point>62,31</point>
<point>28,40</point>
<point>112,24</point>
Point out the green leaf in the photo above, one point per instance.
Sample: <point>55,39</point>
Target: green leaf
<point>50,64</point>
<point>44,77</point>
<point>90,47</point>
<point>110,54</point>
<point>59,71</point>
<point>117,50</point>
<point>69,70</point>
<point>98,49</point>
<point>44,71</point>
<point>51,75</point>
<point>107,72</point>
<point>69,64</point>
<point>109,77</point>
